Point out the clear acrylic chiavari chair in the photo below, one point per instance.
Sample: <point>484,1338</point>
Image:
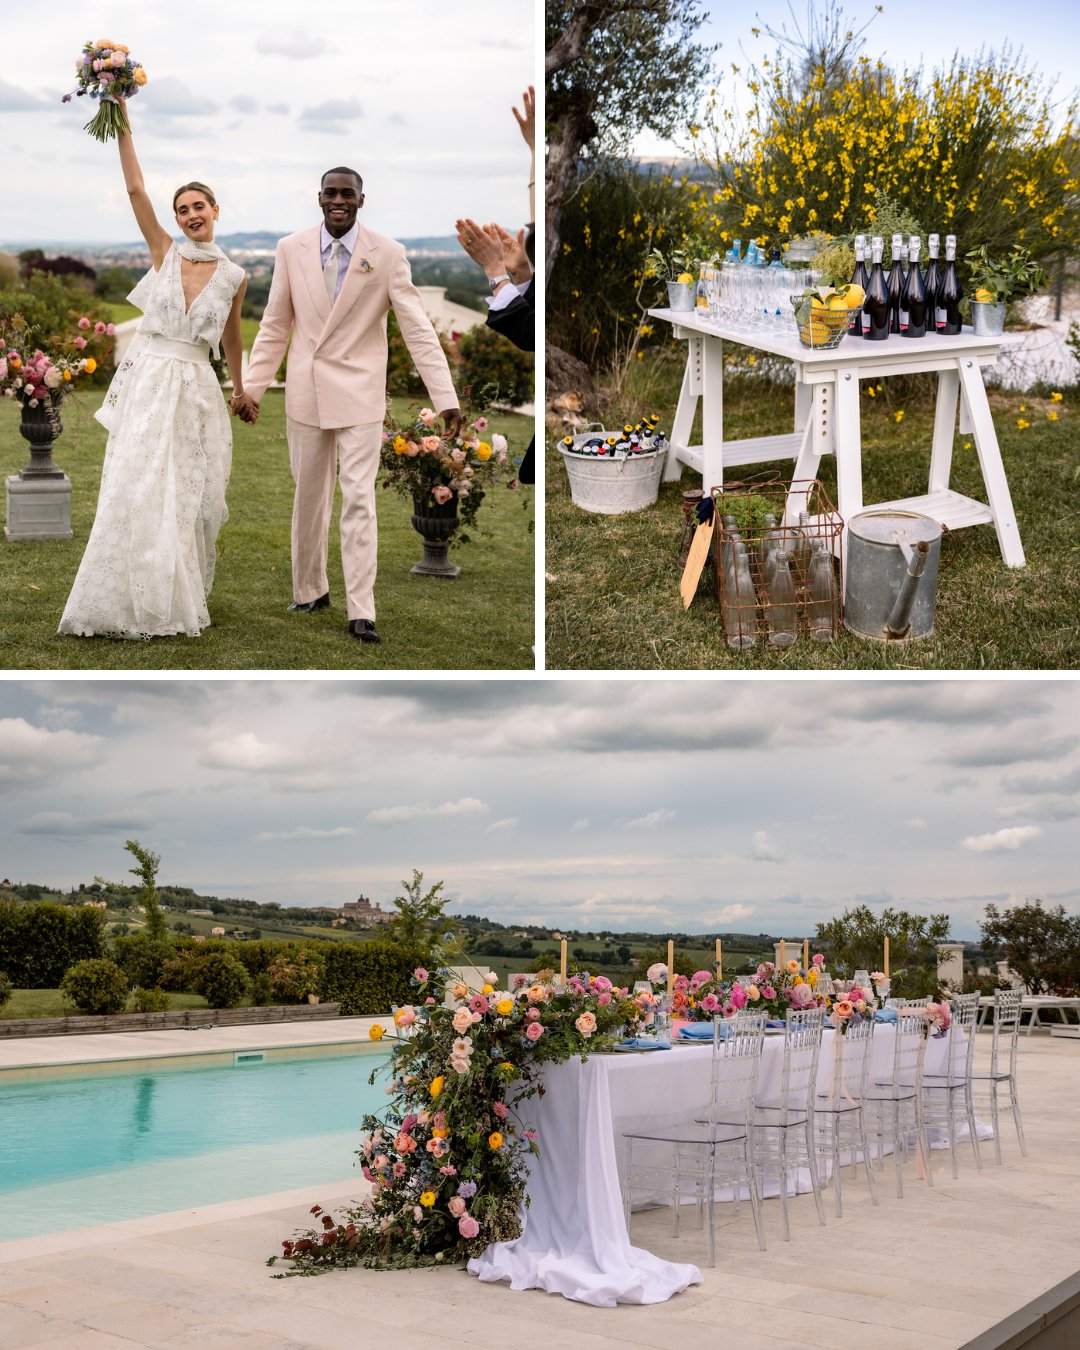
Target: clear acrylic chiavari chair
<point>1002,1072</point>
<point>948,1097</point>
<point>839,1113</point>
<point>895,1101</point>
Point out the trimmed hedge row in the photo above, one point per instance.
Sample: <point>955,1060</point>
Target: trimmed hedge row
<point>367,978</point>
<point>40,942</point>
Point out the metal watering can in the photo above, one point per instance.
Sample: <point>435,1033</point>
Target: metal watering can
<point>891,575</point>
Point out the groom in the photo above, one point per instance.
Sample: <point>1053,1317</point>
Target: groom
<point>333,286</point>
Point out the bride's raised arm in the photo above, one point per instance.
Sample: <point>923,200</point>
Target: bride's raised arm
<point>158,239</point>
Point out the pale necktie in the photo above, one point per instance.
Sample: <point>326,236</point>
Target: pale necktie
<point>330,271</point>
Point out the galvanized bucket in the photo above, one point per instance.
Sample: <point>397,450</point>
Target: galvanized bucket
<point>891,577</point>
<point>611,486</point>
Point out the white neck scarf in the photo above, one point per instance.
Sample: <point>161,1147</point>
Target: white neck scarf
<point>196,251</point>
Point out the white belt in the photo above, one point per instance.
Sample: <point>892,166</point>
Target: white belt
<point>176,349</point>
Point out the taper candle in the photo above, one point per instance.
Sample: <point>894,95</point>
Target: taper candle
<point>806,954</point>
<point>562,962</point>
<point>719,959</point>
<point>670,967</point>
<point>885,966</point>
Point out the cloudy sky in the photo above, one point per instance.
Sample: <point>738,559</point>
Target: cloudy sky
<point>257,97</point>
<point>906,33</point>
<point>757,805</point>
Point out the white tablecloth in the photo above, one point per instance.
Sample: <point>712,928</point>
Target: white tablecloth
<point>575,1242</point>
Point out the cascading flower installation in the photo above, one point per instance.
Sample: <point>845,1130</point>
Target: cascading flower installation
<point>106,71</point>
<point>447,1164</point>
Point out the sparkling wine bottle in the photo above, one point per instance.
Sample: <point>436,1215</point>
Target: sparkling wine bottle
<point>895,282</point>
<point>914,297</point>
<point>876,304</point>
<point>860,277</point>
<point>931,282</point>
<point>950,293</point>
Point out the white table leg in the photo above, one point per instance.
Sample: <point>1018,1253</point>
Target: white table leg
<point>687,407</point>
<point>948,391</point>
<point>848,444</point>
<point>712,414</point>
<point>993,471</point>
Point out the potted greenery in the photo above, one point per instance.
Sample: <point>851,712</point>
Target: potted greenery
<point>997,282</point>
<point>676,268</point>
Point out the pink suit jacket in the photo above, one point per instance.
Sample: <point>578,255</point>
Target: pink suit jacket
<point>337,361</point>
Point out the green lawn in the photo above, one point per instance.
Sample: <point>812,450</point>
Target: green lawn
<point>50,1003</point>
<point>484,620</point>
<point>613,582</point>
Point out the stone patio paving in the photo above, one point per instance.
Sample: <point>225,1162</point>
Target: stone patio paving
<point>924,1273</point>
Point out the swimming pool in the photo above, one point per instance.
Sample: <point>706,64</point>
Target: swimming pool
<point>112,1142</point>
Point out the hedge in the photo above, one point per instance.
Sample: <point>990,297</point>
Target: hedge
<point>369,977</point>
<point>40,942</point>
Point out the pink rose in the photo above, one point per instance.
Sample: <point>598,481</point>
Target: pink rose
<point>405,1017</point>
<point>601,983</point>
<point>586,1023</point>
<point>681,983</point>
<point>457,1206</point>
<point>710,1003</point>
<point>533,1015</point>
<point>3,369</point>
<point>441,494</point>
<point>428,1000</point>
<point>769,992</point>
<point>534,1031</point>
<point>605,998</point>
<point>427,417</point>
<point>818,960</point>
<point>80,342</point>
<point>412,449</point>
<point>84,322</point>
<point>701,977</point>
<point>656,972</point>
<point>405,1143</point>
<point>462,1021</point>
<point>738,996</point>
<point>431,444</point>
<point>110,329</point>
<point>498,444</point>
<point>467,1227</point>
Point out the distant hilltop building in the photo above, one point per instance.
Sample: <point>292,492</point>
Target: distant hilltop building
<point>364,912</point>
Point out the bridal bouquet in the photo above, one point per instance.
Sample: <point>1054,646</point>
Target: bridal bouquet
<point>448,1161</point>
<point>418,461</point>
<point>106,71</point>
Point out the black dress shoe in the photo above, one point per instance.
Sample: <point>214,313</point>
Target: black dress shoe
<point>309,606</point>
<point>364,630</point>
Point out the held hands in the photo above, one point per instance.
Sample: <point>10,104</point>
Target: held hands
<point>244,407</point>
<point>452,422</point>
<point>527,120</point>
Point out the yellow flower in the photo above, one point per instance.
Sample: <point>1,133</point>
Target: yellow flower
<point>870,391</point>
<point>427,1198</point>
<point>811,977</point>
<point>967,445</point>
<point>399,445</point>
<point>1056,398</point>
<point>506,1067</point>
<point>495,1140</point>
<point>899,416</point>
<point>1021,424</point>
<point>1050,416</point>
<point>504,1007</point>
<point>67,376</point>
<point>91,365</point>
<point>376,1033</point>
<point>437,1085</point>
<point>439,1134</point>
<point>751,359</point>
<point>484,452</point>
<point>488,988</point>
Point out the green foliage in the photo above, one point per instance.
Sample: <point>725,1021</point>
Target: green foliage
<point>96,987</point>
<point>141,957</point>
<point>6,989</point>
<point>419,920</point>
<point>290,979</point>
<point>40,942</point>
<point>890,218</point>
<point>114,283</point>
<point>1006,278</point>
<point>836,261</point>
<point>1041,945</point>
<point>50,305</point>
<point>149,1000</point>
<point>221,980</point>
<point>9,271</point>
<point>855,940</point>
<point>496,370</point>
<point>402,379</point>
<point>369,977</point>
<point>156,928</point>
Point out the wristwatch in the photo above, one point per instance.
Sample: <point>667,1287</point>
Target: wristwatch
<point>497,281</point>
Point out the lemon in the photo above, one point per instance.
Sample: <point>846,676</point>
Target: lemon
<point>684,278</point>
<point>854,296</point>
<point>983,295</point>
<point>816,302</point>
<point>837,301</point>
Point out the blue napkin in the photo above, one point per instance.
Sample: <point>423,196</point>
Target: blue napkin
<point>885,1015</point>
<point>644,1043</point>
<point>698,1031</point>
<point>776,1022</point>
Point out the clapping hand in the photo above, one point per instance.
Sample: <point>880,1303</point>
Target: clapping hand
<point>481,247</point>
<point>527,120</point>
<point>514,255</point>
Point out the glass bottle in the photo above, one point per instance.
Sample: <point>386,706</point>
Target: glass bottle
<point>765,543</point>
<point>931,282</point>
<point>895,282</point>
<point>804,544</point>
<point>740,623</point>
<point>860,277</point>
<point>876,304</point>
<point>913,299</point>
<point>822,604</point>
<point>782,613</point>
<point>701,295</point>
<point>950,292</point>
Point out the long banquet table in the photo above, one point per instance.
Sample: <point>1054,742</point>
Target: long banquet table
<point>575,1241</point>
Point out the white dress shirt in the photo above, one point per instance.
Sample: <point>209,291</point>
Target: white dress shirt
<point>505,294</point>
<point>348,244</point>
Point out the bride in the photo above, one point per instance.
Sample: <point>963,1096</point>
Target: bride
<point>149,562</point>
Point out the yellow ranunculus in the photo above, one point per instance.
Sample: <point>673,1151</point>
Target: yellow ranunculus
<point>437,1085</point>
<point>427,1199</point>
<point>139,75</point>
<point>488,989</point>
<point>483,451</point>
<point>440,1134</point>
<point>495,1140</point>
<point>506,1066</point>
<point>399,445</point>
<point>67,374</point>
<point>376,1032</point>
<point>91,365</point>
<point>504,1007</point>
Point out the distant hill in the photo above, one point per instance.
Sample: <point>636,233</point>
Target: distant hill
<point>247,240</point>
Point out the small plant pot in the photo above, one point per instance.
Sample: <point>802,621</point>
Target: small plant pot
<point>680,296</point>
<point>988,318</point>
<point>313,998</point>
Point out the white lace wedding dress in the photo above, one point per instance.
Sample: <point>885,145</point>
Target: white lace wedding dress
<point>149,562</point>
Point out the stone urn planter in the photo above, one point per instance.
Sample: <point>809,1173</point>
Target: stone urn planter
<point>39,495</point>
<point>435,523</point>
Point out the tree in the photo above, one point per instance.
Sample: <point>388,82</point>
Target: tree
<point>419,918</point>
<point>157,930</point>
<point>855,940</point>
<point>614,68</point>
<point>1042,946</point>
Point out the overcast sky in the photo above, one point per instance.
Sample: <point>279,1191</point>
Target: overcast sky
<point>907,33</point>
<point>258,97</point>
<point>746,805</point>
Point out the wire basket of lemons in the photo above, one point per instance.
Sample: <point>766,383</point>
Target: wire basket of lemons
<point>824,314</point>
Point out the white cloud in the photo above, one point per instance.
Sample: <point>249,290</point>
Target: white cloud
<point>502,826</point>
<point>582,823</point>
<point>308,832</point>
<point>763,849</point>
<point>651,821</point>
<point>14,99</point>
<point>334,110</point>
<point>48,822</point>
<point>916,823</point>
<point>173,97</point>
<point>30,756</point>
<point>294,43</point>
<point>247,753</point>
<point>731,913</point>
<point>1002,841</point>
<point>396,815</point>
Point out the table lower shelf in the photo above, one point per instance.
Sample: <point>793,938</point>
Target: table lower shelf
<point>751,450</point>
<point>948,508</point>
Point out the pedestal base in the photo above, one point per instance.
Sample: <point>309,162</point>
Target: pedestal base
<point>38,508</point>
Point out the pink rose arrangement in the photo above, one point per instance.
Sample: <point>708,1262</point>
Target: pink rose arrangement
<point>105,72</point>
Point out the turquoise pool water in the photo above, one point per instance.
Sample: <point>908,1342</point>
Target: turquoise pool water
<point>100,1146</point>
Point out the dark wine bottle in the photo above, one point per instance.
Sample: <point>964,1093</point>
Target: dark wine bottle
<point>895,283</point>
<point>859,277</point>
<point>950,292</point>
<point>931,282</point>
<point>876,304</point>
<point>913,299</point>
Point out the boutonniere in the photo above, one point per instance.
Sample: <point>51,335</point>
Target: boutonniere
<point>365,266</point>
